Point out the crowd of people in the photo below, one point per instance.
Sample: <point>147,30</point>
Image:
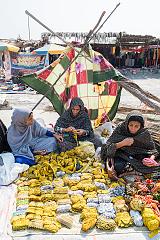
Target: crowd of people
<point>130,147</point>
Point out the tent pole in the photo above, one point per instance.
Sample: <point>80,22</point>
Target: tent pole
<point>157,55</point>
<point>88,38</point>
<point>29,31</point>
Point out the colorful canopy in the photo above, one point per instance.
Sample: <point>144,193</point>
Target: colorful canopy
<point>50,48</point>
<point>92,81</point>
<point>9,47</point>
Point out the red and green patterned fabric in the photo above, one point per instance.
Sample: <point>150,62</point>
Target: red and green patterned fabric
<point>94,81</point>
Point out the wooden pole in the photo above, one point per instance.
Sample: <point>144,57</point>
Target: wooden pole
<point>88,38</point>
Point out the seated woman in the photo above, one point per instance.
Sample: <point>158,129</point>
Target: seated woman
<point>4,146</point>
<point>26,137</point>
<point>73,121</point>
<point>128,145</point>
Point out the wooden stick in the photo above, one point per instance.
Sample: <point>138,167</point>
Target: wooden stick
<point>88,38</point>
<point>137,92</point>
<point>51,31</point>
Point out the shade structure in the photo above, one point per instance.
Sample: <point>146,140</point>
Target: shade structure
<point>50,48</point>
<point>9,47</point>
<point>95,81</point>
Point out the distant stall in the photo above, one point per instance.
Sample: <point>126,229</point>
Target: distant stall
<point>5,60</point>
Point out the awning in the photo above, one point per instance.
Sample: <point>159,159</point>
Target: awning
<point>50,48</point>
<point>9,47</point>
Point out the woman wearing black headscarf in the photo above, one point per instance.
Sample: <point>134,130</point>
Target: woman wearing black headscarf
<point>128,145</point>
<point>74,120</point>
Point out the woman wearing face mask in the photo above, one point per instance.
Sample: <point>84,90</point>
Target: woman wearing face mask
<point>74,120</point>
<point>26,137</point>
<point>128,145</point>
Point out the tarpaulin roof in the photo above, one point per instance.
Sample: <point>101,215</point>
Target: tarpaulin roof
<point>9,47</point>
<point>50,48</point>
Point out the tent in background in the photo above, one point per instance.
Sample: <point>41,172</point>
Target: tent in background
<point>8,47</point>
<point>91,80</point>
<point>50,48</point>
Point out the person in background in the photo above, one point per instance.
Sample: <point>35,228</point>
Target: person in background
<point>75,122</point>
<point>27,137</point>
<point>128,145</point>
<point>4,146</point>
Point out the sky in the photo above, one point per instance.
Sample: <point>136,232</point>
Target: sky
<point>132,16</point>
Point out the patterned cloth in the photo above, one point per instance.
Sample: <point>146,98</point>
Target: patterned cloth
<point>91,80</point>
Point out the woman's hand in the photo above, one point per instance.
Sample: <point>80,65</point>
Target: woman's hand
<point>80,132</point>
<point>69,129</point>
<point>127,142</point>
<point>58,137</point>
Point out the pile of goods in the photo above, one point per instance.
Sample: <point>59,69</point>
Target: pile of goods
<point>59,186</point>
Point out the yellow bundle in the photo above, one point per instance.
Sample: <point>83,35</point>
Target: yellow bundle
<point>86,176</point>
<point>35,223</point>
<point>105,224</point>
<point>89,218</point>
<point>88,224</point>
<point>137,204</point>
<point>54,227</point>
<point>30,216</point>
<point>35,198</point>
<point>120,206</point>
<point>114,184</point>
<point>150,219</point>
<point>89,212</point>
<point>58,182</point>
<point>35,204</point>
<point>115,199</point>
<point>97,171</point>
<point>34,183</point>
<point>47,197</point>
<point>52,207</point>
<point>90,195</point>
<point>101,191</point>
<point>20,224</point>
<point>79,206</point>
<point>34,191</point>
<point>60,190</point>
<point>78,203</point>
<point>76,198</point>
<point>89,187</point>
<point>123,219</point>
<point>35,210</point>
<point>101,180</point>
<point>64,201</point>
<point>49,210</point>
<point>85,185</point>
<point>57,196</point>
<point>71,182</point>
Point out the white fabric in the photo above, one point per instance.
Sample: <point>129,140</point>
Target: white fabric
<point>98,131</point>
<point>7,200</point>
<point>10,170</point>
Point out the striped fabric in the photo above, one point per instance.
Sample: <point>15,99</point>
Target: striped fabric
<point>93,81</point>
